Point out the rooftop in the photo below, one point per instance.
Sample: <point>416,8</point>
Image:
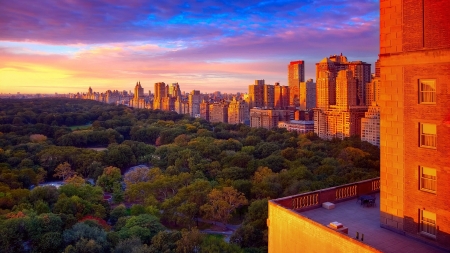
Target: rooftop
<point>354,216</point>
<point>366,220</point>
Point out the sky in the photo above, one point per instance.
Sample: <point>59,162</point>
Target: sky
<point>65,46</point>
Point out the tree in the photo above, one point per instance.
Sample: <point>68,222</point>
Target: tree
<point>64,170</point>
<point>75,180</point>
<point>88,238</point>
<point>131,245</point>
<point>137,175</point>
<point>221,204</point>
<point>214,244</point>
<point>190,241</point>
<point>165,241</point>
<point>110,176</point>
<point>253,230</point>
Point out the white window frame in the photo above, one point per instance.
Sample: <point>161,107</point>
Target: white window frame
<point>427,96</point>
<point>428,225</point>
<point>428,179</point>
<point>427,139</point>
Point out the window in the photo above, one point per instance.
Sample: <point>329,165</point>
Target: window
<point>428,223</point>
<point>427,135</point>
<point>428,179</point>
<point>427,92</point>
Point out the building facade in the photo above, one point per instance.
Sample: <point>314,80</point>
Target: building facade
<point>307,95</point>
<point>267,118</point>
<point>238,112</point>
<point>296,74</point>
<point>415,119</point>
<point>299,126</point>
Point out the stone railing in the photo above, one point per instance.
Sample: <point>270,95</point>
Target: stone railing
<point>315,199</point>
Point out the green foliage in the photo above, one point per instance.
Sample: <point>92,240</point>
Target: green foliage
<point>192,159</point>
<point>213,244</point>
<point>111,175</point>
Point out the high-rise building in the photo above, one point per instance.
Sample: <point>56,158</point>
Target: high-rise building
<point>307,95</point>
<point>195,98</point>
<point>204,110</point>
<point>281,96</point>
<point>269,96</point>
<point>296,74</point>
<point>326,84</point>
<point>238,112</point>
<point>346,91</point>
<point>218,112</point>
<point>256,94</point>
<point>360,70</point>
<point>370,125</point>
<point>415,119</point>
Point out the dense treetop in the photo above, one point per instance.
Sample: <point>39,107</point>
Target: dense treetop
<point>193,169</point>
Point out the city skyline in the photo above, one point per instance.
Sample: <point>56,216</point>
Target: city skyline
<point>52,47</point>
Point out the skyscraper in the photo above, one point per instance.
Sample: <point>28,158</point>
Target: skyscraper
<point>296,74</point>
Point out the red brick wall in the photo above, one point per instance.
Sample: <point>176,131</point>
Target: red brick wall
<point>415,156</point>
<point>437,21</point>
<point>412,47</point>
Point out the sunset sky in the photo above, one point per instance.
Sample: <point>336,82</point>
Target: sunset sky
<point>68,45</point>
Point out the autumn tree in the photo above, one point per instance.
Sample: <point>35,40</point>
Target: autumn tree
<point>110,176</point>
<point>222,203</point>
<point>137,175</point>
<point>64,170</point>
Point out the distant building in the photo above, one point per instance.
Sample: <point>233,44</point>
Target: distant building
<point>238,112</point>
<point>218,112</point>
<point>307,95</point>
<point>204,110</point>
<point>256,94</point>
<point>300,126</point>
<point>296,74</point>
<point>195,98</point>
<point>370,125</point>
<point>267,118</point>
<point>281,96</point>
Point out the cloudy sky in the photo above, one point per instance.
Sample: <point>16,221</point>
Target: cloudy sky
<point>64,46</point>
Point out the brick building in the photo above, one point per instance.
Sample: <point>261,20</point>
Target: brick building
<point>267,118</point>
<point>415,118</point>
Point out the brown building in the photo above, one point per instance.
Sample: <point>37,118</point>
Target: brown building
<point>195,98</point>
<point>281,96</point>
<point>307,95</point>
<point>269,96</point>
<point>359,69</point>
<point>218,112</point>
<point>326,84</point>
<point>344,118</point>
<point>267,118</point>
<point>256,94</point>
<point>204,110</point>
<point>238,112</point>
<point>296,74</point>
<point>415,118</point>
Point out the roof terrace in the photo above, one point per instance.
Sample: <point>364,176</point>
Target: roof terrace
<point>356,217</point>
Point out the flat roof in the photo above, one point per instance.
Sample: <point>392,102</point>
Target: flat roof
<point>366,220</point>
